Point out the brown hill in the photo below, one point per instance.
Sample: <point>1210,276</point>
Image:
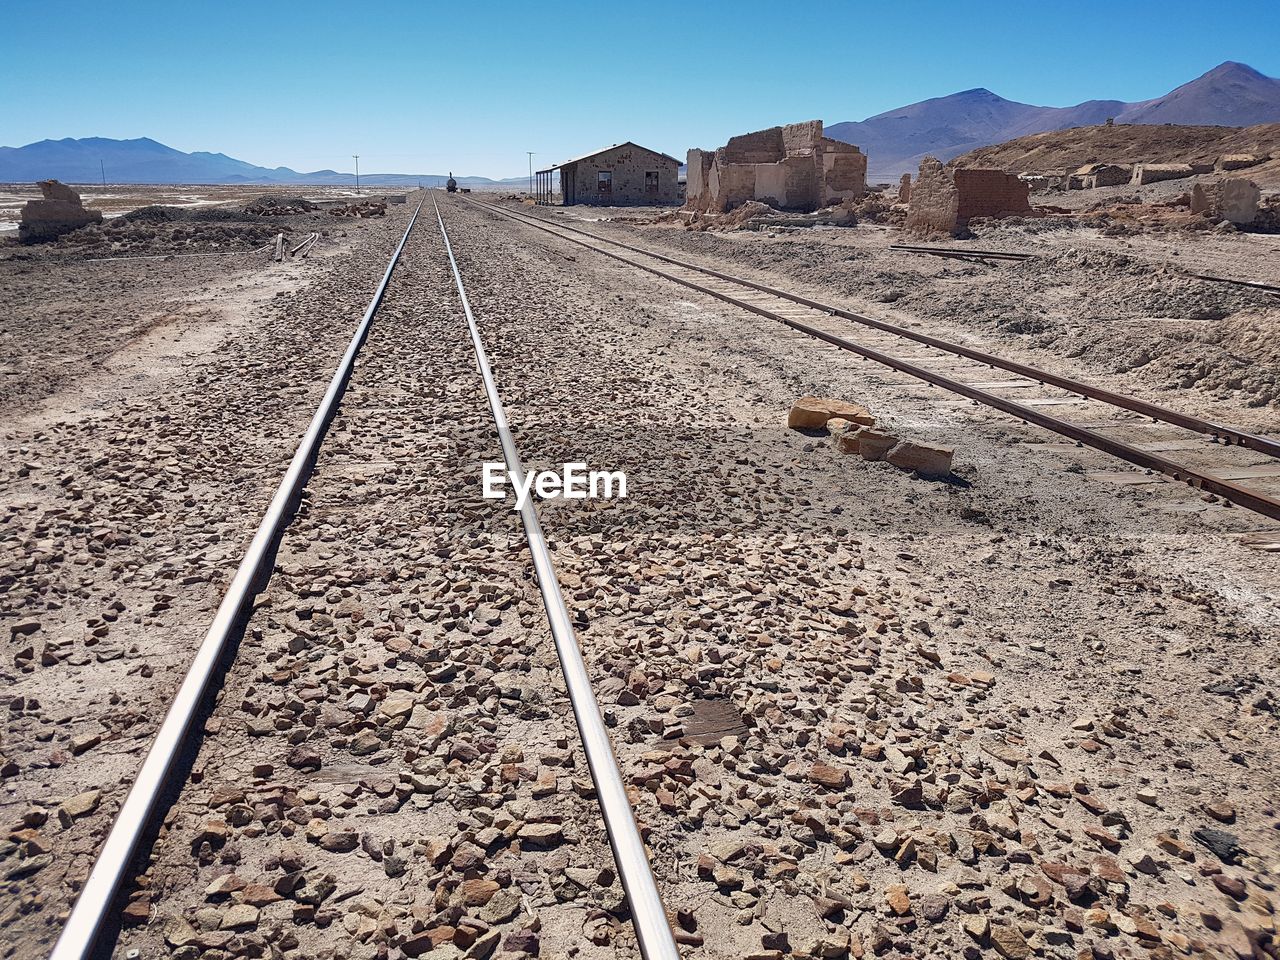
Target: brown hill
<point>1062,150</point>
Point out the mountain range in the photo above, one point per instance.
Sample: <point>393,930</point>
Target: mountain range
<point>1231,94</point>
<point>91,159</point>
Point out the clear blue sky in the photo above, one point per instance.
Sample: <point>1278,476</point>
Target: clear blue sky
<point>426,87</point>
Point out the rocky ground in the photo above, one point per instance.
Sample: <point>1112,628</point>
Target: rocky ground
<point>1018,713</point>
<point>1114,310</point>
<point>147,419</point>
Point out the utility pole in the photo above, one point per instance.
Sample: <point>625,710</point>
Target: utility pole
<point>103,167</point>
<point>356,158</point>
<point>530,153</point>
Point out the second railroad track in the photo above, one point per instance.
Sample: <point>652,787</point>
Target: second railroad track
<point>884,343</point>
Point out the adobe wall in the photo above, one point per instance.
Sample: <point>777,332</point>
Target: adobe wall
<point>944,201</point>
<point>763,146</point>
<point>990,193</point>
<point>842,172</point>
<point>1112,175</point>
<point>60,211</point>
<point>1144,173</point>
<point>730,184</point>
<point>935,201</point>
<point>698,163</point>
<point>801,139</point>
<point>789,184</point>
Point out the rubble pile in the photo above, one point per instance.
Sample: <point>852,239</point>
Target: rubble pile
<point>161,230</point>
<point>360,208</point>
<point>272,206</point>
<point>60,212</point>
<point>853,430</point>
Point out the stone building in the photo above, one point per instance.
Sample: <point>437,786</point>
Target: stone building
<point>623,175</point>
<point>1093,175</point>
<point>944,201</point>
<point>793,167</point>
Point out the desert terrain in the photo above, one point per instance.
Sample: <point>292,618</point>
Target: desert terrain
<point>1028,709</point>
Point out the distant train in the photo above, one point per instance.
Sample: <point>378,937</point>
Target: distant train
<point>451,185</point>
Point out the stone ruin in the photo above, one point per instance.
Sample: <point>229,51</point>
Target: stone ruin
<point>1093,175</point>
<point>944,200</point>
<point>59,212</point>
<point>793,167</point>
<point>1231,198</point>
<point>1144,173</point>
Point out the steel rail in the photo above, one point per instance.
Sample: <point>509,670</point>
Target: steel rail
<point>954,252</point>
<point>1156,412</point>
<point>1253,284</point>
<point>648,914</point>
<point>1260,503</point>
<point>78,938</point>
<point>180,256</point>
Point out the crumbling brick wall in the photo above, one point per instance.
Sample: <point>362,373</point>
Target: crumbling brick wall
<point>763,146</point>
<point>793,167</point>
<point>935,201</point>
<point>944,201</point>
<point>801,139</point>
<point>60,211</point>
<point>990,193</point>
<point>842,171</point>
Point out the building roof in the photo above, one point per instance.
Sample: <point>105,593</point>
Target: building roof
<point>595,153</point>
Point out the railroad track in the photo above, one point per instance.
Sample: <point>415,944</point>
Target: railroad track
<point>986,256</point>
<point>881,341</point>
<point>957,253</point>
<point>95,910</point>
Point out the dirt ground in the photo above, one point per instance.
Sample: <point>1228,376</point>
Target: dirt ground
<point>1025,711</point>
<point>117,199</point>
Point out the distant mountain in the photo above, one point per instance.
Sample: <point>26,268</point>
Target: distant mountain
<point>146,161</point>
<point>1231,94</point>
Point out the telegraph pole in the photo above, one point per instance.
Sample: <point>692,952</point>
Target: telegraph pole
<point>103,167</point>
<point>530,153</point>
<point>356,158</point>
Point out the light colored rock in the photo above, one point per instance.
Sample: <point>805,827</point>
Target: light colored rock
<point>872,444</point>
<point>1231,198</point>
<point>928,461</point>
<point>812,413</point>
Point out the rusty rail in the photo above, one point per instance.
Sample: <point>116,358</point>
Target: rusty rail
<point>961,254</point>
<point>1260,503</point>
<point>1253,284</point>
